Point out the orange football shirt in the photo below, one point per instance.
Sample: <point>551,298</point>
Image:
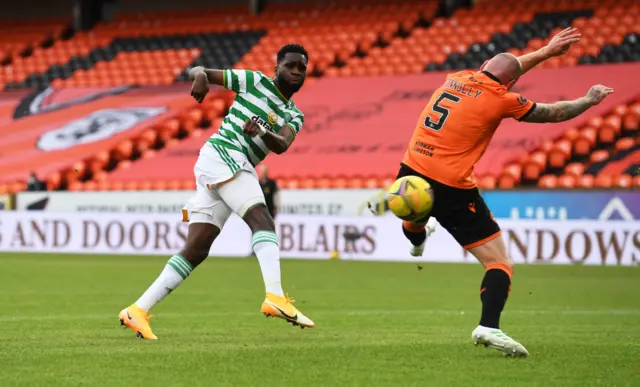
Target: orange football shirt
<point>456,126</point>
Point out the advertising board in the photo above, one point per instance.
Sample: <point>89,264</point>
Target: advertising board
<point>316,237</point>
<point>536,204</point>
<point>311,201</point>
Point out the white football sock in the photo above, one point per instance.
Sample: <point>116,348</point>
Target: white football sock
<point>176,271</point>
<point>265,245</point>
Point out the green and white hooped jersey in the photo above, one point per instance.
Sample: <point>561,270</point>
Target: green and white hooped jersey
<point>257,99</point>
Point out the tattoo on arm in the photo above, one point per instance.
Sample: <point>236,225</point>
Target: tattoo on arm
<point>558,112</point>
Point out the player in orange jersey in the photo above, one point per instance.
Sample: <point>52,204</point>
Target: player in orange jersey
<point>451,135</point>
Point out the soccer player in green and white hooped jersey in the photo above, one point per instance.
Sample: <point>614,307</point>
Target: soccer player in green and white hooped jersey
<point>262,119</point>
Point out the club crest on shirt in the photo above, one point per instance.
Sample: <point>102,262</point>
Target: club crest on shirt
<point>273,118</point>
<point>522,100</point>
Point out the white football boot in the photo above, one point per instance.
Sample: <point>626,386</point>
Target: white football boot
<point>379,203</point>
<point>495,338</point>
<point>430,227</point>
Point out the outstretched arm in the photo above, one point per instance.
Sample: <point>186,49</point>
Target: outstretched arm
<point>566,110</point>
<point>556,46</point>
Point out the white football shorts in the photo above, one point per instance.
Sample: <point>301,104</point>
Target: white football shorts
<point>225,182</point>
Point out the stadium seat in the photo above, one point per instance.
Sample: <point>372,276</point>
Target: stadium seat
<point>599,156</point>
<point>557,158</point>
<point>103,186</point>
<point>116,186</point>
<point>586,181</point>
<point>507,181</point>
<point>624,144</point>
<point>582,147</point>
<point>631,124</point>
<point>349,39</point>
<point>623,181</point>
<point>567,181</point>
<point>548,181</point>
<point>606,136</point>
<point>75,186</point>
<point>90,186</point>
<point>487,182</point>
<point>604,181</point>
<point>513,170</point>
<point>574,169</point>
<point>532,171</point>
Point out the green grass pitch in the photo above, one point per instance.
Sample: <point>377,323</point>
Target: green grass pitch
<point>377,324</point>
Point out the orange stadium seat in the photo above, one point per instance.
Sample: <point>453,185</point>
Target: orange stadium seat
<point>604,181</point>
<point>507,181</point>
<point>487,182</point>
<point>624,144</point>
<point>567,181</point>
<point>623,181</point>
<point>347,39</point>
<point>574,169</point>
<point>548,181</point>
<point>599,156</point>
<point>586,181</point>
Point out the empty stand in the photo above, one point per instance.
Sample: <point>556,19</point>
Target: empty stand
<point>144,60</point>
<point>17,38</point>
<point>333,32</point>
<point>21,39</point>
<point>353,138</point>
<point>86,131</point>
<point>471,36</point>
<point>135,68</point>
<point>604,152</point>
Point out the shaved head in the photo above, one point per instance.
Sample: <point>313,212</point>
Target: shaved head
<point>506,67</point>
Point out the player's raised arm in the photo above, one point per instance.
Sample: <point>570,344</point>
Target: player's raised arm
<point>566,110</point>
<point>556,47</point>
<point>201,78</point>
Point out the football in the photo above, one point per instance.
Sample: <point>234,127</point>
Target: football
<point>410,198</point>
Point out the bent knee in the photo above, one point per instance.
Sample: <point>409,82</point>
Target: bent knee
<point>259,218</point>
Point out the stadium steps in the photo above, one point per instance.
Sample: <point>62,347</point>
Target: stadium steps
<point>604,152</point>
<point>522,34</point>
<point>40,70</point>
<point>331,29</point>
<point>603,37</point>
<point>22,41</point>
<point>471,36</point>
<point>333,32</point>
<point>191,124</point>
<point>214,49</point>
<point>449,43</point>
<point>627,51</point>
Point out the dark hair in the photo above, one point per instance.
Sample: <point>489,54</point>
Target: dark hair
<point>294,48</point>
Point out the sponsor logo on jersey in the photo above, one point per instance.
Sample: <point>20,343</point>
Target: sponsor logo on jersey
<point>522,100</point>
<point>265,124</point>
